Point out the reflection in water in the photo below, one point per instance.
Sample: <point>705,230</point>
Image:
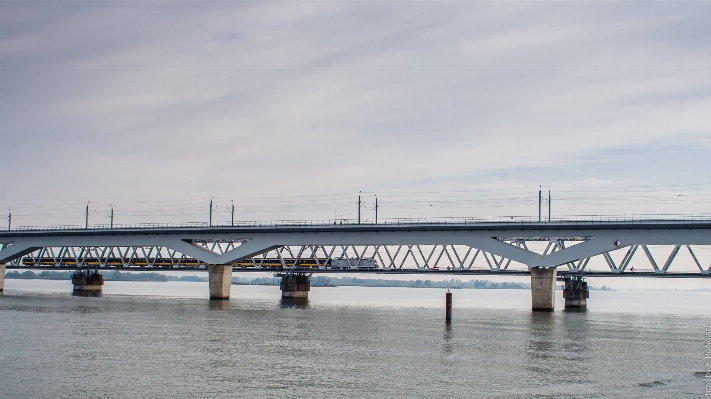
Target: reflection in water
<point>447,348</point>
<point>560,340</point>
<point>448,330</point>
<point>220,304</point>
<point>541,341</point>
<point>94,294</point>
<point>574,345</point>
<point>575,310</point>
<point>297,303</point>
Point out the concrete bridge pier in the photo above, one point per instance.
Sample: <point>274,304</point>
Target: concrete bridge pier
<point>87,282</point>
<point>575,293</point>
<point>2,276</point>
<point>220,277</point>
<point>543,288</point>
<point>295,286</point>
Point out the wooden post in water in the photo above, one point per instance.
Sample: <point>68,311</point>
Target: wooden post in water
<point>448,300</point>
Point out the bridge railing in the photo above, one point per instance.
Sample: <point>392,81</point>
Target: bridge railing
<point>590,220</point>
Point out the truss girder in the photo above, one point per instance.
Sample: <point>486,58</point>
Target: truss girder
<point>401,257</point>
<point>568,245</point>
<point>668,263</point>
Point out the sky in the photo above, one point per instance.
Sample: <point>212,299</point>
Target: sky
<point>290,110</point>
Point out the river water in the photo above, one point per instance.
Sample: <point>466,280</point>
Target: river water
<point>165,340</point>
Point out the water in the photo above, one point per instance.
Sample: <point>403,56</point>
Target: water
<point>166,340</point>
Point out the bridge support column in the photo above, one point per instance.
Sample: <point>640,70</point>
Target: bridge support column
<point>220,277</point>
<point>295,286</point>
<point>575,293</point>
<point>543,288</point>
<point>2,276</point>
<point>87,282</point>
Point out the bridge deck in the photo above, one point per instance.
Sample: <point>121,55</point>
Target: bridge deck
<point>396,225</point>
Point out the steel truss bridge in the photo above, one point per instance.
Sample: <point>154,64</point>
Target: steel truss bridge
<point>419,247</point>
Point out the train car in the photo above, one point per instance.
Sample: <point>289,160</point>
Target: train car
<point>273,263</point>
<point>337,263</point>
<point>110,262</point>
<point>163,263</point>
<point>354,264</point>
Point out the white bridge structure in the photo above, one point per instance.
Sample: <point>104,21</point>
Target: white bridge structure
<point>464,247</point>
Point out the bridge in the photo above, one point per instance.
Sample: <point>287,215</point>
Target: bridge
<point>546,251</point>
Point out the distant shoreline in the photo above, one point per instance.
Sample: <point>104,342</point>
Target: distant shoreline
<point>316,281</point>
<point>109,275</point>
<point>384,286</point>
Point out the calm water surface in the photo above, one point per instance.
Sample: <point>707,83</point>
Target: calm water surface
<point>166,340</point>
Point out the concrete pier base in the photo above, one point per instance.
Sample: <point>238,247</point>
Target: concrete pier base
<point>86,281</point>
<point>2,277</point>
<point>220,277</point>
<point>295,286</point>
<point>576,293</point>
<point>543,288</point>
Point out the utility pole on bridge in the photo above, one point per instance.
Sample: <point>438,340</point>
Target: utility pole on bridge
<point>540,200</point>
<point>376,209</point>
<point>359,209</point>
<point>209,220</point>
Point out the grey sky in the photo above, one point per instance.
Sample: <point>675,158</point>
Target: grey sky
<point>291,108</point>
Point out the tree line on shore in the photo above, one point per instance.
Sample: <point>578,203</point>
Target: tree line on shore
<point>326,281</point>
<point>316,281</point>
<point>113,275</point>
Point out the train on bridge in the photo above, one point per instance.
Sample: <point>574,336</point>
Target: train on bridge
<point>190,263</point>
